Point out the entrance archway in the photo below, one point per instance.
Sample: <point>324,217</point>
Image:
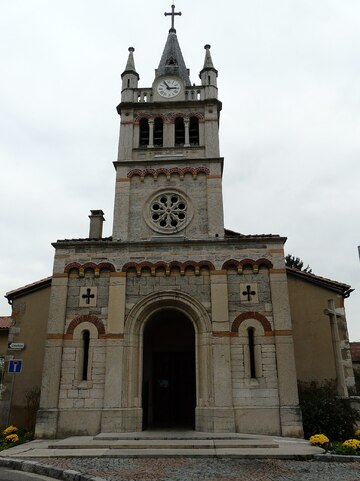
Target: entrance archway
<point>132,366</point>
<point>169,385</point>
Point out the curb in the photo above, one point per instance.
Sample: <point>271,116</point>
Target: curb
<point>338,458</point>
<point>45,470</point>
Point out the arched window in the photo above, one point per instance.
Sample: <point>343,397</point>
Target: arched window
<point>179,131</point>
<point>85,363</point>
<point>158,131</point>
<point>252,352</point>
<point>194,131</point>
<point>144,133</point>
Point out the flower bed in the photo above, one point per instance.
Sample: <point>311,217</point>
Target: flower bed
<point>347,447</point>
<point>12,436</point>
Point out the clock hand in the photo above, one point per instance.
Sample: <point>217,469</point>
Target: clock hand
<point>167,85</point>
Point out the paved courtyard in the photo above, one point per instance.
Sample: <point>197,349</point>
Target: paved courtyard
<point>208,469</point>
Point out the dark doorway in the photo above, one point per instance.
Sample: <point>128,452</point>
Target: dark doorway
<point>169,372</point>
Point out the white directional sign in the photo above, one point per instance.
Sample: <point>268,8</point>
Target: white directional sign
<point>16,346</point>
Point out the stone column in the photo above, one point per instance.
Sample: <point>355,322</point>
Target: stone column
<point>187,136</point>
<point>151,133</point>
<point>46,425</point>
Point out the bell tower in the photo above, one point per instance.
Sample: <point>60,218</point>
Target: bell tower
<point>169,169</point>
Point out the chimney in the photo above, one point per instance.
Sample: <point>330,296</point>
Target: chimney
<point>96,224</point>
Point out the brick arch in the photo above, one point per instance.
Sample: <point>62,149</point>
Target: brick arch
<point>160,265</point>
<point>247,262</point>
<point>187,170</point>
<point>251,315</point>
<point>142,116</point>
<point>202,170</point>
<point>89,265</point>
<point>149,172</point>
<point>86,318</point>
<point>73,265</point>
<point>207,264</point>
<point>229,263</point>
<point>264,262</point>
<point>163,171</point>
<point>175,264</point>
<point>106,265</point>
<point>129,265</point>
<point>198,115</point>
<point>189,264</point>
<point>135,172</point>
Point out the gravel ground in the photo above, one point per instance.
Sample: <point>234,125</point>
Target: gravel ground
<point>208,469</point>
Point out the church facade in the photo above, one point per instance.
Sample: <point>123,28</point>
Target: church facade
<point>173,321</point>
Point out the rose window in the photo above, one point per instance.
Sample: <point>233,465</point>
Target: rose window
<point>169,212</point>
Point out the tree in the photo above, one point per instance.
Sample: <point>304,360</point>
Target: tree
<point>296,263</point>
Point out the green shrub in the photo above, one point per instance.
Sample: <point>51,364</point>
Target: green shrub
<point>339,448</point>
<point>324,412</point>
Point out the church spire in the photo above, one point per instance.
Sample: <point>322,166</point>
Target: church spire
<point>130,65</point>
<point>208,74</point>
<point>129,77</point>
<point>172,61</point>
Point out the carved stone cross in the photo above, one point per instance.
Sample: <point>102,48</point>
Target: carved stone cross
<point>248,293</point>
<point>172,13</point>
<point>340,376</point>
<point>88,296</point>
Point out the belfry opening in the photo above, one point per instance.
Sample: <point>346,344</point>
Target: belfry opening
<point>169,381</point>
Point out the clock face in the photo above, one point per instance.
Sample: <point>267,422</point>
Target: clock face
<point>169,88</point>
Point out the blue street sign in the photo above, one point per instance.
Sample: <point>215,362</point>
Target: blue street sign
<point>15,366</point>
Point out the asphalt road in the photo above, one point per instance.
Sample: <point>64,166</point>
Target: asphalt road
<point>11,475</point>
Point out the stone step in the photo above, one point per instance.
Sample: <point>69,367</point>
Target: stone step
<point>167,444</point>
<point>182,444</point>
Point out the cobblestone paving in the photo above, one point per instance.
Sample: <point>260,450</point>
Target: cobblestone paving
<point>208,469</point>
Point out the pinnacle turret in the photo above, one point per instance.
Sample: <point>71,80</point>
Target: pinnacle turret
<point>208,74</point>
<point>130,65</point>
<point>130,77</point>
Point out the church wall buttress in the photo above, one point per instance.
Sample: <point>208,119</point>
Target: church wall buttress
<point>219,301</point>
<point>126,137</point>
<point>215,208</point>
<point>116,309</point>
<point>286,370</point>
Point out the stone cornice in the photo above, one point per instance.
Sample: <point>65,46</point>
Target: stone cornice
<point>168,159</point>
<point>245,242</point>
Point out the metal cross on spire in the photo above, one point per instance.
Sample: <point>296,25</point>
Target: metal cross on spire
<point>172,13</point>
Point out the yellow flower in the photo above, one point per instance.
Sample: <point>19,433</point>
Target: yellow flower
<point>12,438</point>
<point>352,443</point>
<point>357,432</point>
<point>318,439</point>
<point>10,430</point>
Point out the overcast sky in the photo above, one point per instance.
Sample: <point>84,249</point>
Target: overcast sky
<point>289,80</point>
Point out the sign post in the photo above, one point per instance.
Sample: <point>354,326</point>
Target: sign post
<point>14,367</point>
